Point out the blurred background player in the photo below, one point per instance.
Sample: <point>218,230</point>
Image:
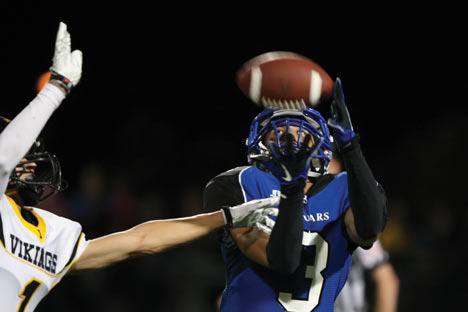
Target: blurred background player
<point>37,248</point>
<point>370,271</point>
<point>322,218</point>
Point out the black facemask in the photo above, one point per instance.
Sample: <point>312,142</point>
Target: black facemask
<point>46,180</point>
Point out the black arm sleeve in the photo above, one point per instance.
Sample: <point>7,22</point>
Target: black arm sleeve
<point>285,245</point>
<point>366,197</point>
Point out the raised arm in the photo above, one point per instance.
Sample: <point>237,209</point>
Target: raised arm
<point>366,218</point>
<point>22,131</point>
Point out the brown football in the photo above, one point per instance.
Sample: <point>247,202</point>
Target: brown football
<point>283,80</point>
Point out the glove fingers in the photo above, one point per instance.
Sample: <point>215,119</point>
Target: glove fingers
<point>267,202</point>
<point>270,212</point>
<point>269,222</point>
<point>77,58</point>
<point>263,228</point>
<point>305,148</point>
<point>262,203</point>
<point>274,149</point>
<point>335,125</point>
<point>274,201</point>
<point>61,33</point>
<point>63,43</point>
<point>289,145</point>
<point>334,111</point>
<point>338,106</point>
<point>338,94</point>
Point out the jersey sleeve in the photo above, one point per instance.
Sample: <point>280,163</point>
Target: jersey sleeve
<point>22,131</point>
<point>72,251</point>
<point>223,190</point>
<point>66,236</point>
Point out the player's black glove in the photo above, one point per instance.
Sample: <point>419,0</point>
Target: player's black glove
<point>291,164</point>
<point>340,122</point>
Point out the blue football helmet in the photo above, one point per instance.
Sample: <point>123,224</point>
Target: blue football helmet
<point>308,121</point>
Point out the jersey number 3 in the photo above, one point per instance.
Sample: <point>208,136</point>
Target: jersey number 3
<point>312,271</point>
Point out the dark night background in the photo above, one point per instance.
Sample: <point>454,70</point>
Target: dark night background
<point>158,113</point>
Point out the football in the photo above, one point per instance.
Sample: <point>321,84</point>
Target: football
<point>42,80</point>
<point>282,80</point>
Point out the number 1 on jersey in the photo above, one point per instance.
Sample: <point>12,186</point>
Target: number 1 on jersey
<point>27,293</point>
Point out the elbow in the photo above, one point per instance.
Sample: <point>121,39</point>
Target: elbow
<point>368,235</point>
<point>369,230</point>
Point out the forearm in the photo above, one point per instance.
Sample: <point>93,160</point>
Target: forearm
<point>387,287</point>
<point>285,245</point>
<point>252,243</point>
<point>367,199</point>
<point>23,130</point>
<point>159,235</point>
<point>146,238</point>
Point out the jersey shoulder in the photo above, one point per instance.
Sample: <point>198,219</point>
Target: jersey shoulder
<point>59,226</point>
<point>230,176</point>
<point>338,184</point>
<point>341,179</point>
<point>223,190</point>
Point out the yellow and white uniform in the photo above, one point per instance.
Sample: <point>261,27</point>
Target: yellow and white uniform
<point>33,258</point>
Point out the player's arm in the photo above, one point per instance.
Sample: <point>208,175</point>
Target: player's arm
<point>253,244</point>
<point>281,251</point>
<point>387,285</point>
<point>158,235</point>
<point>224,190</point>
<point>278,246</point>
<point>22,131</point>
<point>367,216</point>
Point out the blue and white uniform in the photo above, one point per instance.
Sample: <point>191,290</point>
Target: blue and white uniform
<point>326,255</point>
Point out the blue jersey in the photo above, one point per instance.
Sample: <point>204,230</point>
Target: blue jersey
<point>326,255</point>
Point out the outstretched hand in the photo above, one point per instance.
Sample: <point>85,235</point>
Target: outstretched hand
<point>340,121</point>
<point>251,212</point>
<point>66,65</point>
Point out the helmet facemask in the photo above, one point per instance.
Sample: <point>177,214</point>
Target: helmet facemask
<point>43,182</point>
<point>307,122</point>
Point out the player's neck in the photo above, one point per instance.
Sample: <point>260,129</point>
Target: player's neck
<point>307,186</point>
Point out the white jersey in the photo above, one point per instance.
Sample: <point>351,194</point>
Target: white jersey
<point>352,297</point>
<point>33,259</point>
